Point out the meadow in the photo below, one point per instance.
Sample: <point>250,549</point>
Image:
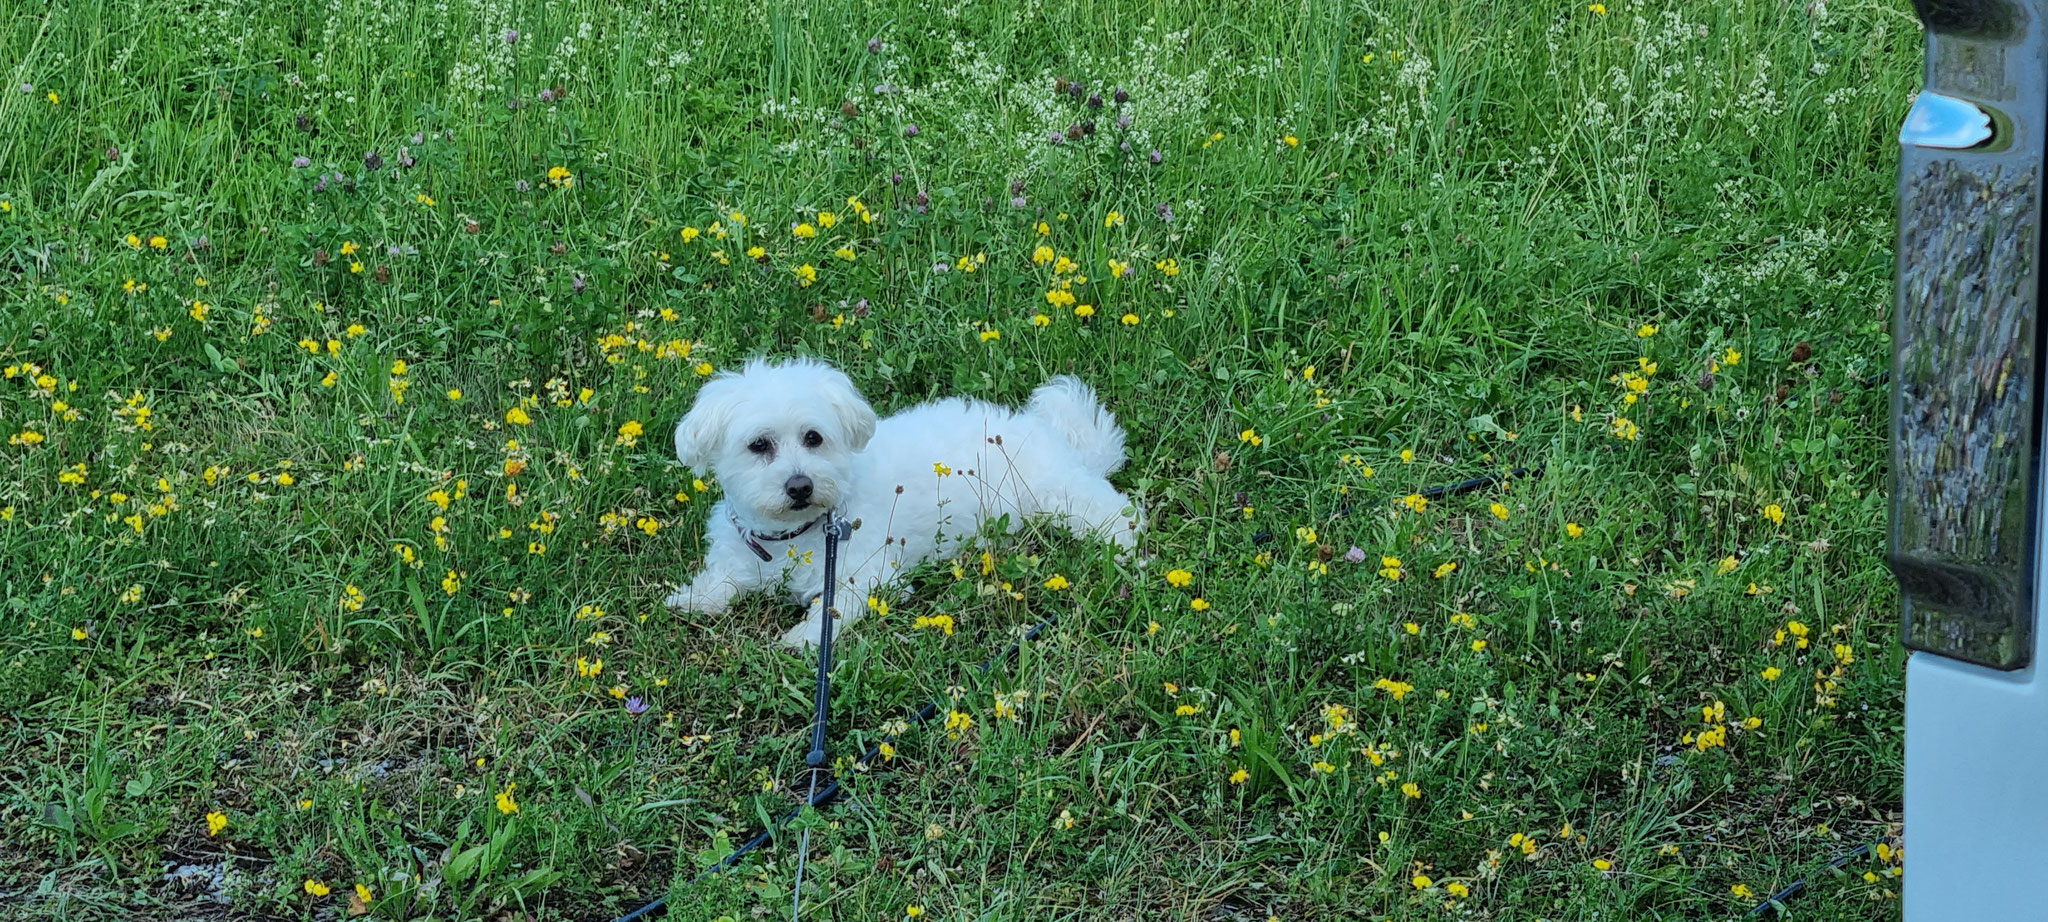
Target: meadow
<point>342,342</point>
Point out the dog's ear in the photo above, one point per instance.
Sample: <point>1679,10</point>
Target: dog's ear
<point>856,418</point>
<point>698,434</point>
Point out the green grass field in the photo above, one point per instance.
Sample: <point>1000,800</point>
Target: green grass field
<point>338,503</point>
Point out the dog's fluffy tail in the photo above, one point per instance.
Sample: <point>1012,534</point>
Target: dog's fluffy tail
<point>1071,408</point>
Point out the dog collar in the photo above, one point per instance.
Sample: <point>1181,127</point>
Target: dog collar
<point>754,538</point>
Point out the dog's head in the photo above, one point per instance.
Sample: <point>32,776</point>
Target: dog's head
<point>781,437</point>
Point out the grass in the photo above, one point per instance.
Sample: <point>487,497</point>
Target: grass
<point>254,567</point>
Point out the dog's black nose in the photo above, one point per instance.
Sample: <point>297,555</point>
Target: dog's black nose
<point>798,486</point>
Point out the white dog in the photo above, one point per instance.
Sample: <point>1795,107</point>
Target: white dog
<point>790,441</point>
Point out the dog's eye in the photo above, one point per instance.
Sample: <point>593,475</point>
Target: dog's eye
<point>812,439</point>
<point>760,446</point>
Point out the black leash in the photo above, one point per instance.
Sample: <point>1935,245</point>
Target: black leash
<point>1478,483</point>
<point>1775,903</point>
<point>831,792</point>
<point>835,531</point>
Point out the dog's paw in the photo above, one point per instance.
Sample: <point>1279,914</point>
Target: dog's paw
<point>805,635</point>
<point>684,600</point>
<point>802,637</point>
